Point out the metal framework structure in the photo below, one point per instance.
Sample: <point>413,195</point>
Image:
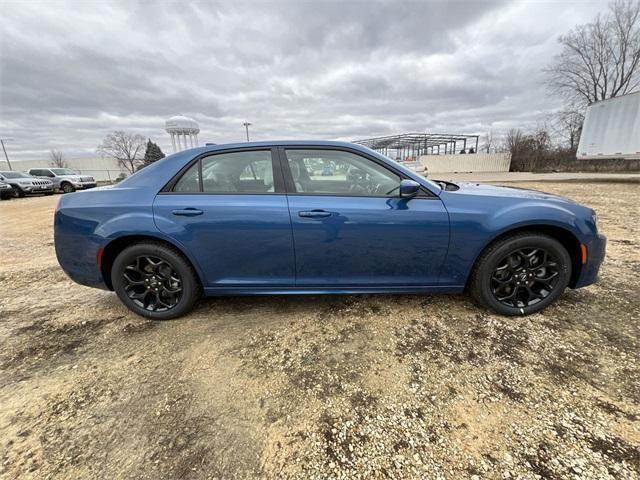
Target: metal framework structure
<point>413,145</point>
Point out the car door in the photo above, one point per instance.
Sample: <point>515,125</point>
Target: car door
<point>230,211</point>
<point>351,227</point>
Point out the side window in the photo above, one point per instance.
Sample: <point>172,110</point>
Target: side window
<point>247,172</point>
<point>339,173</point>
<point>255,170</point>
<point>190,180</point>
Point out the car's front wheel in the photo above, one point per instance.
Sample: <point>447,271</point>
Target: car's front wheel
<point>521,274</point>
<point>66,187</point>
<point>155,281</point>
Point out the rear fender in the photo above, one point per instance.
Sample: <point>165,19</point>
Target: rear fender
<point>139,226</point>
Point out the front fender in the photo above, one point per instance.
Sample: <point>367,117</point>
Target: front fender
<point>475,224</point>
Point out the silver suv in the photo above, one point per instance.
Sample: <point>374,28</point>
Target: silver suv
<point>24,184</point>
<point>64,179</point>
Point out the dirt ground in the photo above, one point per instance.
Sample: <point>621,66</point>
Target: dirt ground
<point>403,386</point>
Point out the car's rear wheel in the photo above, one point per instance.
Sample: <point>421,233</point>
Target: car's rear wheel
<point>155,281</point>
<point>521,274</point>
<point>66,187</point>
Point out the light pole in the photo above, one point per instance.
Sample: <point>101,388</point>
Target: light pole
<point>2,140</point>
<point>246,126</point>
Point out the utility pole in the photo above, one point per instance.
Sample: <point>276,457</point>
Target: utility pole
<point>246,126</point>
<point>5,151</point>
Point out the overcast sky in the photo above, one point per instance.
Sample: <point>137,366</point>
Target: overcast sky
<point>71,72</point>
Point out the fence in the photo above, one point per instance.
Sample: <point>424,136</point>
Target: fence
<point>472,162</point>
<point>102,169</point>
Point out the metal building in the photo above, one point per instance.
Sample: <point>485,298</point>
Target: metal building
<point>414,145</point>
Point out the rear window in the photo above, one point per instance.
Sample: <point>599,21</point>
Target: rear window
<point>15,175</point>
<point>248,172</point>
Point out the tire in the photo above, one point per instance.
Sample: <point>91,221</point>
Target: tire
<point>18,193</point>
<point>520,274</point>
<point>49,193</point>
<point>66,187</point>
<point>131,261</point>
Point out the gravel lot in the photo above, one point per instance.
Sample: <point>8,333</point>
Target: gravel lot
<point>325,387</point>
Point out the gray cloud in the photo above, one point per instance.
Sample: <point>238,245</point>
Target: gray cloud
<point>71,72</point>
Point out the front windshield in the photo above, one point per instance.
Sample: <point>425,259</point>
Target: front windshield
<point>15,175</point>
<point>63,171</point>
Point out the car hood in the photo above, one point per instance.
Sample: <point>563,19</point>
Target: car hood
<point>484,189</point>
<point>25,180</point>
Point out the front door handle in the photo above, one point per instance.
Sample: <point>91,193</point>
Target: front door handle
<point>188,212</point>
<point>314,214</point>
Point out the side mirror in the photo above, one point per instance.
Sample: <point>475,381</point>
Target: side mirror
<point>408,188</point>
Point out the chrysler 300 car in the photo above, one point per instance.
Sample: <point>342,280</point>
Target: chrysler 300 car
<point>254,218</point>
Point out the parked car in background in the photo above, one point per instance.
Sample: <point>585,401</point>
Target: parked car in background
<point>327,171</point>
<point>64,179</point>
<point>6,191</point>
<point>25,184</point>
<point>249,219</point>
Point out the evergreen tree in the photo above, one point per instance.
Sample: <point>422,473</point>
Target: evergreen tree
<point>151,154</point>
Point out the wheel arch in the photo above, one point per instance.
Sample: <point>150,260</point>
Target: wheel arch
<point>566,238</point>
<point>112,249</point>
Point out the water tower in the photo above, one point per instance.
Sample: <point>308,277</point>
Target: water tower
<point>185,127</point>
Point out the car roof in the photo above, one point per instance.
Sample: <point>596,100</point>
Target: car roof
<point>277,143</point>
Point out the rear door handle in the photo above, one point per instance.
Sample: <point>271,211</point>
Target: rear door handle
<point>314,214</point>
<point>188,212</point>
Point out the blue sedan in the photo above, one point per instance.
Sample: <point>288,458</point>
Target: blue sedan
<point>254,219</point>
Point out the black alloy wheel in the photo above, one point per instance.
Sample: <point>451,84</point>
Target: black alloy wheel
<point>152,283</point>
<point>520,274</point>
<point>524,277</point>
<point>155,280</point>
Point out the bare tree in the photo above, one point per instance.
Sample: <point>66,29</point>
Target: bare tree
<point>57,159</point>
<point>567,125</point>
<point>513,140</point>
<point>488,142</point>
<point>124,147</point>
<point>601,59</point>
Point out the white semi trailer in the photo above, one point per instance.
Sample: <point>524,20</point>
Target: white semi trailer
<point>611,129</point>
